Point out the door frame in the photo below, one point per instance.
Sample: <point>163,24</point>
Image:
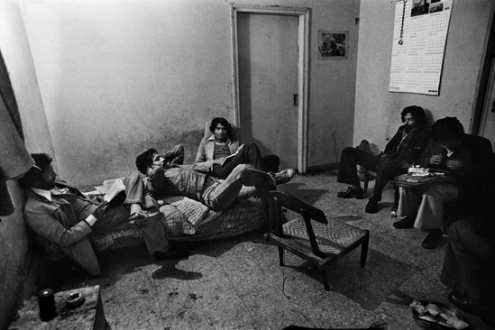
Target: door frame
<point>303,15</point>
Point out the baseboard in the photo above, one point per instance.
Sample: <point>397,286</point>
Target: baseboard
<point>322,167</point>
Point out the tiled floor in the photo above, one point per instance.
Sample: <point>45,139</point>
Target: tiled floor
<point>237,284</point>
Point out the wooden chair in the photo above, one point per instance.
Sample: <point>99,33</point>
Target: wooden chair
<point>312,237</point>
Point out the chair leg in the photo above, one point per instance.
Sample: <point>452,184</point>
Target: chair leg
<point>364,248</point>
<point>281,256</point>
<point>366,181</point>
<point>324,279</point>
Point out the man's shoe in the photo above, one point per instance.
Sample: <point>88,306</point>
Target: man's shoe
<point>407,222</point>
<point>358,193</point>
<point>171,254</point>
<point>372,206</point>
<point>283,176</point>
<point>463,303</point>
<point>433,239</point>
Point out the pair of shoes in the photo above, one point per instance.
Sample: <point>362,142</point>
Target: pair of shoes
<point>359,193</point>
<point>407,222</point>
<point>283,176</point>
<point>433,239</point>
<point>463,303</point>
<point>171,254</point>
<point>372,206</point>
<point>141,215</point>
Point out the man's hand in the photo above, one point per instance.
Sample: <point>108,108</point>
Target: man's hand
<point>436,159</point>
<point>453,164</point>
<point>98,198</point>
<point>100,210</point>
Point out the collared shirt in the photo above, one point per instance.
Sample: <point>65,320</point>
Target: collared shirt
<point>49,193</point>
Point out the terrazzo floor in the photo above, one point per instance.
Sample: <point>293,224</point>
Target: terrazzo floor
<point>236,283</point>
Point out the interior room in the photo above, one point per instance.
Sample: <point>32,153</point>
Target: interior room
<point>98,82</point>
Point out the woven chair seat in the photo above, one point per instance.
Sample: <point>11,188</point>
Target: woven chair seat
<point>332,238</point>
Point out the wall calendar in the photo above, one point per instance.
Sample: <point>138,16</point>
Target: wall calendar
<point>420,35</point>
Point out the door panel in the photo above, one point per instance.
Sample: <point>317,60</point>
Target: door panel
<point>268,80</point>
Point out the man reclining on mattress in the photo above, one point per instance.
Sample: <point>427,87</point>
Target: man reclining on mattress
<point>169,179</point>
<point>64,216</point>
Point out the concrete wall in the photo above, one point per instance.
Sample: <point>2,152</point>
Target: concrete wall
<point>119,76</point>
<point>377,111</point>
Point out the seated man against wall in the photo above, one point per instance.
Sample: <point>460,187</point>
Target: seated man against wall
<point>169,180</point>
<point>63,215</point>
<point>467,158</point>
<point>400,153</point>
<point>213,151</point>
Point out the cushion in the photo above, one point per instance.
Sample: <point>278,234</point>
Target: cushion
<point>186,217</point>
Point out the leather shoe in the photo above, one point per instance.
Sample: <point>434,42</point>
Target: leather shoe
<point>433,239</point>
<point>358,193</point>
<point>171,254</point>
<point>407,222</point>
<point>463,303</point>
<point>372,206</point>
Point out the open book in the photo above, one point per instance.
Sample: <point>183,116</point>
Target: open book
<point>115,188</point>
<point>226,159</point>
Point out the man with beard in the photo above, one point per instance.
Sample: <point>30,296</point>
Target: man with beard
<point>400,153</point>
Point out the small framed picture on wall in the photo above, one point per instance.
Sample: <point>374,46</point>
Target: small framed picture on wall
<point>333,45</point>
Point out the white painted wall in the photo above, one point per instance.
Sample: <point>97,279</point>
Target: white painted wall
<point>19,61</point>
<point>377,112</point>
<point>118,76</point>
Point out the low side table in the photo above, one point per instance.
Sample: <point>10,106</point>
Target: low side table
<point>88,316</point>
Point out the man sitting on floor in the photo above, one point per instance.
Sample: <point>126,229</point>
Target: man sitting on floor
<point>400,153</point>
<point>169,180</point>
<point>64,216</point>
<point>467,158</point>
<point>213,151</point>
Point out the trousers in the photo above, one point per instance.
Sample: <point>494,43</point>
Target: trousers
<point>219,194</point>
<point>387,168</point>
<point>248,154</point>
<point>118,212</point>
<point>469,265</point>
<point>427,202</point>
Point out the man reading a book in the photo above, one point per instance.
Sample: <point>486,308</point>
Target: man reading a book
<point>469,159</point>
<point>169,180</point>
<point>63,215</point>
<point>218,154</point>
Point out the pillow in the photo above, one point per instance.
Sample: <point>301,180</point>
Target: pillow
<point>174,220</point>
<point>193,213</point>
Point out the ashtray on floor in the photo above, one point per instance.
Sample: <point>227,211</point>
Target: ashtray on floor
<point>74,299</point>
<point>436,315</point>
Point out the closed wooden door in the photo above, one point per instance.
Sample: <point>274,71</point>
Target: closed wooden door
<point>268,83</point>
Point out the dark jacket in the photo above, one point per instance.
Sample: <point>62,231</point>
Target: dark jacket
<point>411,148</point>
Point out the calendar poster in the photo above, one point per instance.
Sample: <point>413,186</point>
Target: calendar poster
<point>420,35</point>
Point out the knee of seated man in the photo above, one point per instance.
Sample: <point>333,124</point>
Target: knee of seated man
<point>244,167</point>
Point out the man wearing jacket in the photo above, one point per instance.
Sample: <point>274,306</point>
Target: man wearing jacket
<point>62,215</point>
<point>400,153</point>
<point>218,154</point>
<point>469,159</point>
